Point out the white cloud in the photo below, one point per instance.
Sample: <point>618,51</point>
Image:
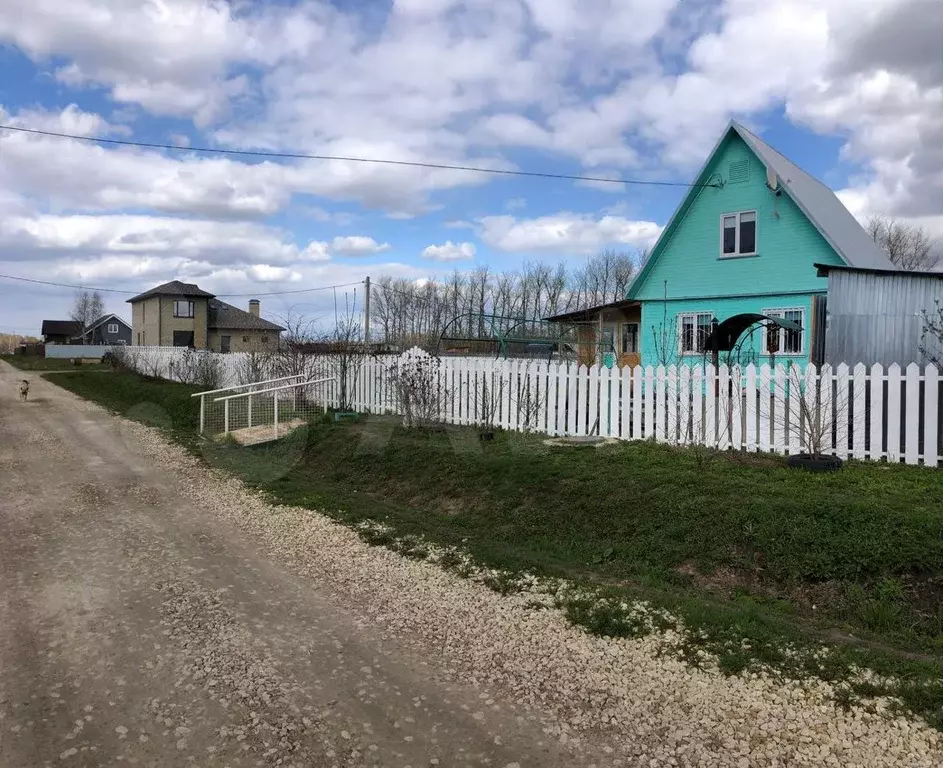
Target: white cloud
<point>565,233</point>
<point>152,238</point>
<point>442,81</point>
<point>170,56</point>
<point>357,245</point>
<point>449,251</point>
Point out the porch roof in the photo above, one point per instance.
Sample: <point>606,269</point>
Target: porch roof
<point>588,312</point>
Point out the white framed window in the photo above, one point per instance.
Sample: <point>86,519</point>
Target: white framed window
<point>112,328</point>
<point>781,341</point>
<point>183,309</point>
<point>693,330</point>
<point>738,234</point>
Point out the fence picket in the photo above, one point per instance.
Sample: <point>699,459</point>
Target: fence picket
<point>594,423</point>
<point>735,419</point>
<point>912,417</point>
<point>842,411</point>
<point>709,430</point>
<point>779,410</point>
<point>722,414</point>
<point>931,423</point>
<point>648,393</point>
<point>614,390</point>
<point>893,413</point>
<point>684,405</point>
<point>828,420</point>
<point>858,417</point>
<point>750,395</point>
<point>763,407</point>
<point>660,404</point>
<point>696,434</point>
<point>876,406</point>
<point>633,400</point>
<point>563,388</point>
<point>671,404</point>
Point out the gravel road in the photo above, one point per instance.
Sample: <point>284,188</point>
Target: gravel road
<point>154,612</point>
<point>139,626</point>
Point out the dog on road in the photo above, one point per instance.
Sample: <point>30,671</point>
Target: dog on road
<point>24,390</point>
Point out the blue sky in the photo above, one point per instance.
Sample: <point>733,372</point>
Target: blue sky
<point>617,88</point>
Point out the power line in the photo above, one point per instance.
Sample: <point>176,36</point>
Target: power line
<point>65,285</point>
<point>226,295</point>
<point>285,293</point>
<point>378,161</point>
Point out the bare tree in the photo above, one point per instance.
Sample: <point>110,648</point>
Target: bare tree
<point>931,337</point>
<point>413,313</point>
<point>345,354</point>
<point>86,309</point>
<point>906,244</point>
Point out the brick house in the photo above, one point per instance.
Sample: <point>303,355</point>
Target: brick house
<point>178,314</point>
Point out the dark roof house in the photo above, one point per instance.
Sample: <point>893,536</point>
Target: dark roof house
<point>223,316</point>
<point>173,288</point>
<point>183,314</point>
<point>107,329</point>
<point>60,331</point>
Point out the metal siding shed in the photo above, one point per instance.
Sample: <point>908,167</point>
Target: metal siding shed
<point>876,316</point>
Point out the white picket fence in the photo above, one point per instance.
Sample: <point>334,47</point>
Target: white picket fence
<point>859,412</point>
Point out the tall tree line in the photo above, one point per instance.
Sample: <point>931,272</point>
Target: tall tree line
<point>407,312</point>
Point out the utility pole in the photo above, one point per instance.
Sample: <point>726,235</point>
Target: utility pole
<point>366,311</point>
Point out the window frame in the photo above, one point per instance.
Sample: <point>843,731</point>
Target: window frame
<point>191,309</point>
<point>680,321</point>
<point>781,313</point>
<point>227,344</point>
<point>112,326</point>
<point>736,242</point>
<point>622,337</point>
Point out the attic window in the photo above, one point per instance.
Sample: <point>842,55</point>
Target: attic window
<point>738,172</point>
<point>738,234</point>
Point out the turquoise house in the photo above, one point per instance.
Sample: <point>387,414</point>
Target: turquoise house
<point>745,239</point>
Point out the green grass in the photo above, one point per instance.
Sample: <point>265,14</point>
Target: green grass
<point>755,558</point>
<point>32,363</point>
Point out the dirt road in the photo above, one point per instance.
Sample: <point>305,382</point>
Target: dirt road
<point>138,628</point>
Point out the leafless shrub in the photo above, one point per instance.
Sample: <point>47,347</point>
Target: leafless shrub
<point>931,336</point>
<point>203,369</point>
<point>417,389</point>
<point>255,366</point>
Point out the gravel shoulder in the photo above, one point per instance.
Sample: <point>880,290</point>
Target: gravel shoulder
<point>153,608</point>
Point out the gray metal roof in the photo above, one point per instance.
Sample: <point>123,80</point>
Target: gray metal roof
<point>226,316</point>
<point>174,288</point>
<point>821,206</point>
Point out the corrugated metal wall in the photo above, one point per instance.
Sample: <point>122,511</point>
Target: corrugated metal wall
<point>877,318</point>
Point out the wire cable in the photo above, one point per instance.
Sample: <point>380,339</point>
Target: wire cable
<point>134,293</point>
<point>378,161</point>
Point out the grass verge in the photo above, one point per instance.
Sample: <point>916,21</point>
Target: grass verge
<point>808,574</point>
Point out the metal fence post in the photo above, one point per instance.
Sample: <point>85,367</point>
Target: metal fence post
<point>202,412</point>
<point>276,414</point>
<point>250,409</point>
<point>226,417</point>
